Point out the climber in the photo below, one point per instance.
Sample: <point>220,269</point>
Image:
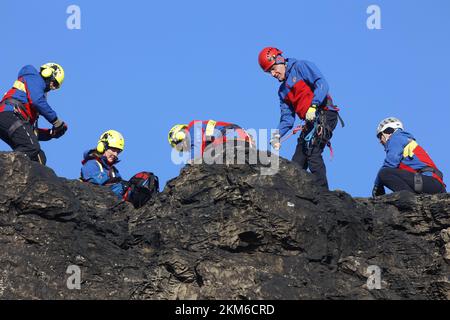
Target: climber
<point>21,106</point>
<point>303,91</point>
<point>197,135</point>
<point>407,166</point>
<point>99,163</point>
<point>99,168</point>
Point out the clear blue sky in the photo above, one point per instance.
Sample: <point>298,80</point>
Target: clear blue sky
<point>142,66</point>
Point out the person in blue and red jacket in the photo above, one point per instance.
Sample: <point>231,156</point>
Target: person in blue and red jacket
<point>303,92</point>
<point>99,168</point>
<point>23,103</point>
<point>99,163</point>
<point>407,166</point>
<point>197,135</point>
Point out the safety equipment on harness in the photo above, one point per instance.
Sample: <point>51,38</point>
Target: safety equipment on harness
<point>311,113</point>
<point>53,71</point>
<point>19,109</point>
<point>418,177</point>
<point>418,183</point>
<point>270,56</point>
<point>177,134</point>
<point>18,106</point>
<point>320,134</point>
<point>110,139</point>
<point>141,188</point>
<point>408,152</point>
<point>390,122</point>
<point>317,132</point>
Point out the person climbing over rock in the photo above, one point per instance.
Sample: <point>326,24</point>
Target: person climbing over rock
<point>21,106</point>
<point>196,136</point>
<point>99,168</point>
<point>407,166</point>
<point>303,91</point>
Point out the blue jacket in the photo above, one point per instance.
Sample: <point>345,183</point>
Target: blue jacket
<point>304,86</point>
<point>97,171</point>
<point>30,89</point>
<point>403,152</point>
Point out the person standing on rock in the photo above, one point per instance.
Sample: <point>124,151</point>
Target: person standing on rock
<point>196,136</point>
<point>23,103</point>
<point>99,168</point>
<point>303,91</point>
<point>407,166</point>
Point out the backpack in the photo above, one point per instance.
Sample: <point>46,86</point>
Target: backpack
<point>140,189</point>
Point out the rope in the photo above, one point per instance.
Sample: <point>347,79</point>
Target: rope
<point>294,132</point>
<point>311,134</point>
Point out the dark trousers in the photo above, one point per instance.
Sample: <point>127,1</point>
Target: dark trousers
<point>22,139</point>
<point>398,180</point>
<point>311,157</point>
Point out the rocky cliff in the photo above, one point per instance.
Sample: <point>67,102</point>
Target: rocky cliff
<point>217,232</point>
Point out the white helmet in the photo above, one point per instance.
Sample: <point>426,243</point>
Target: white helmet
<point>391,122</point>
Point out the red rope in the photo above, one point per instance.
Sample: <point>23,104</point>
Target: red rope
<point>294,132</point>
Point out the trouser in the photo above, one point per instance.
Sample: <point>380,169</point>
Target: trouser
<point>311,156</point>
<point>20,136</point>
<point>397,180</point>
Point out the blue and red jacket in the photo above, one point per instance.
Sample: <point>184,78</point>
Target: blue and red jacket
<point>31,90</point>
<point>203,133</point>
<point>304,86</point>
<point>403,152</point>
<point>98,171</point>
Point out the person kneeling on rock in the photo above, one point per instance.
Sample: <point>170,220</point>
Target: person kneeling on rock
<point>99,168</point>
<point>196,136</point>
<point>407,166</point>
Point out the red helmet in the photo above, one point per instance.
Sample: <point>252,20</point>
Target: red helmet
<point>270,56</point>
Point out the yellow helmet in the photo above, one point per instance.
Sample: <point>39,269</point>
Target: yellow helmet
<point>110,139</point>
<point>53,71</point>
<point>177,134</point>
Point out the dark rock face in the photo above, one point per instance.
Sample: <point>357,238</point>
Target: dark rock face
<point>218,232</point>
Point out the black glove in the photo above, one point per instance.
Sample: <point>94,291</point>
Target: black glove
<point>59,129</point>
<point>378,191</point>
